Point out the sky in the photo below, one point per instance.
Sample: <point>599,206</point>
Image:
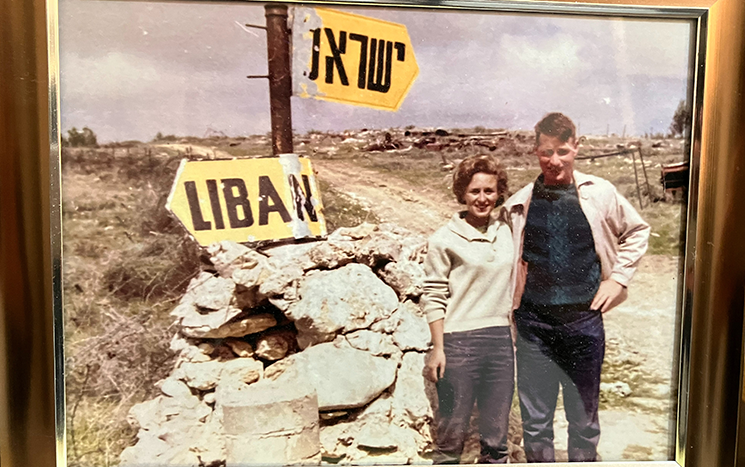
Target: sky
<point>132,69</point>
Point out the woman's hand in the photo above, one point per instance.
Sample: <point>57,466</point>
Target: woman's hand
<point>435,368</point>
<point>436,364</point>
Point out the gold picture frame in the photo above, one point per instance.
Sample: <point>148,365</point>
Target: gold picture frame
<point>32,411</point>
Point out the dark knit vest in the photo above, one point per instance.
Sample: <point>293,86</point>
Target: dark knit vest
<point>563,267</point>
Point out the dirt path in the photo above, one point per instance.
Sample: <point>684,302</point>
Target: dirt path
<point>391,199</point>
<point>640,333</point>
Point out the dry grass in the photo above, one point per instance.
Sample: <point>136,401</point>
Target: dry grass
<point>123,272</point>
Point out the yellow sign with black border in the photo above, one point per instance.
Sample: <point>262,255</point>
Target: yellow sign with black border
<point>248,200</point>
<point>351,59</point>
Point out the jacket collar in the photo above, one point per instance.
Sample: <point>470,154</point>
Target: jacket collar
<point>460,226</point>
<point>519,200</point>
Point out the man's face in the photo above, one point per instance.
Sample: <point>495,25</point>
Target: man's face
<point>557,159</point>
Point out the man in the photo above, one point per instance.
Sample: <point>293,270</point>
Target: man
<point>577,245</point>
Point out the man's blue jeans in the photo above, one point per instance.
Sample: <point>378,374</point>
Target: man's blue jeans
<point>559,345</point>
<point>479,367</point>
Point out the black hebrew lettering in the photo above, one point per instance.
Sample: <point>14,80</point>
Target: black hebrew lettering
<point>335,58</point>
<point>316,53</point>
<point>196,213</point>
<point>379,77</point>
<point>376,57</point>
<point>400,51</point>
<point>267,192</point>
<point>362,75</point>
<point>302,200</point>
<point>233,201</point>
<point>215,204</point>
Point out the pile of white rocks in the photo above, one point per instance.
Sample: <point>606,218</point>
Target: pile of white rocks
<point>297,354</point>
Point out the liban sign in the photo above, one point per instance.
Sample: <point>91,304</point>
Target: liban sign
<point>248,200</point>
<point>352,59</point>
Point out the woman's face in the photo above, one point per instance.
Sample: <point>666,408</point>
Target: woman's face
<point>480,197</point>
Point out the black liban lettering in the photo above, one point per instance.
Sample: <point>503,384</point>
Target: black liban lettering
<point>215,204</point>
<point>196,213</point>
<point>233,201</point>
<point>267,192</point>
<point>302,200</point>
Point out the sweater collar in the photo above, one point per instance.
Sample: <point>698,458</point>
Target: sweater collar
<point>460,226</point>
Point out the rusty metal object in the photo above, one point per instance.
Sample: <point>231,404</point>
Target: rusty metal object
<point>280,77</point>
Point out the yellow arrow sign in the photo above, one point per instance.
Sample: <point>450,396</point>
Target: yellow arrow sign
<point>353,59</point>
<point>248,200</point>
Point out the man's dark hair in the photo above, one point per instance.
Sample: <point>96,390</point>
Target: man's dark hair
<point>556,125</point>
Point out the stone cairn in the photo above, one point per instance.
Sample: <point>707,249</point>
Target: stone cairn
<point>297,354</point>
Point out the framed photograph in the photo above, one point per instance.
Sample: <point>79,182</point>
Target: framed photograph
<point>359,233</point>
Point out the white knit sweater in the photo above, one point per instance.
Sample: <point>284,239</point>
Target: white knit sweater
<point>468,275</point>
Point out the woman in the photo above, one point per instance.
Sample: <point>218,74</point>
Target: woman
<point>467,302</point>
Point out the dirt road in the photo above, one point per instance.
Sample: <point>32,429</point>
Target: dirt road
<point>640,333</point>
<point>391,199</point>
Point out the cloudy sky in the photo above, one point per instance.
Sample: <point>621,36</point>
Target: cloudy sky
<point>132,69</point>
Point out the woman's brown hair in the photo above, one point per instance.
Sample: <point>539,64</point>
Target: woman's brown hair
<point>473,165</point>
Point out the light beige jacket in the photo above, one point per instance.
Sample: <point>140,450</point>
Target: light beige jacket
<point>620,234</point>
<point>468,275</point>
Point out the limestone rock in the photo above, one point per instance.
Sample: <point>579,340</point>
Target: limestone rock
<point>292,253</point>
<point>210,292</point>
<point>226,256</point>
<point>406,278</point>
<point>250,270</point>
<point>173,432</point>
<point>277,277</point>
<point>378,247</point>
<point>187,350</point>
<point>272,424</point>
<point>210,447</point>
<point>371,436</point>
<point>207,375</point>
<point>152,415</point>
<point>336,440</point>
<point>273,346</point>
<point>347,299</point>
<point>246,370</point>
<point>175,388</point>
<point>201,325</point>
<point>239,347</point>
<point>412,331</point>
<point>200,375</point>
<point>355,233</point>
<point>236,328</point>
<point>413,395</point>
<point>333,253</point>
<point>326,367</point>
<point>378,344</point>
<point>413,248</point>
<point>144,453</point>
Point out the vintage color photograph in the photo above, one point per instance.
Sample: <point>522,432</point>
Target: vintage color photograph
<point>448,237</point>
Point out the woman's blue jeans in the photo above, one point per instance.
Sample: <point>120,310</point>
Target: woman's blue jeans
<point>559,346</point>
<point>479,368</point>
